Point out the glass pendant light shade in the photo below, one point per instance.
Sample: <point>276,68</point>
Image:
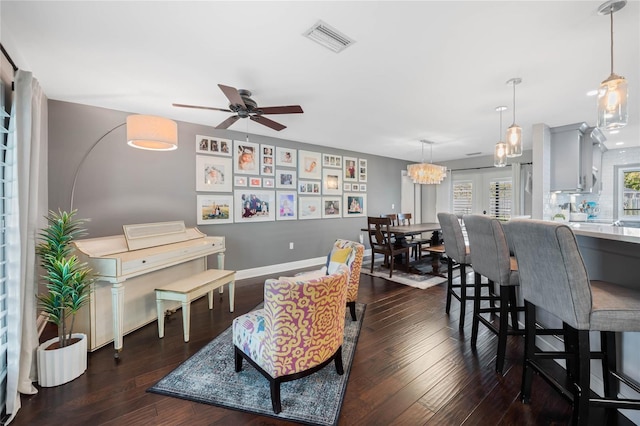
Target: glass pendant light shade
<point>514,132</point>
<point>500,153</point>
<point>427,173</point>
<point>613,93</point>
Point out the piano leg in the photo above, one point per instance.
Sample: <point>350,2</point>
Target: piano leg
<point>221,266</point>
<point>117,306</point>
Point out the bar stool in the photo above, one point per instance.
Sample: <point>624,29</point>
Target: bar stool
<point>457,252</point>
<point>490,258</point>
<point>553,277</point>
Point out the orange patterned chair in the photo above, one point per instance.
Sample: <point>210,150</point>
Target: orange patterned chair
<point>299,331</point>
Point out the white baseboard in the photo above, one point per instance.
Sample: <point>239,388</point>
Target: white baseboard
<point>281,267</point>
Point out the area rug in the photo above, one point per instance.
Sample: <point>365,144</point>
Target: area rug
<point>209,377</point>
<point>421,281</point>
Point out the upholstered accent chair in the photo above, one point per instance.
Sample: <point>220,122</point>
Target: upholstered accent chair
<point>491,258</point>
<point>457,252</point>
<point>299,330</point>
<point>553,277</point>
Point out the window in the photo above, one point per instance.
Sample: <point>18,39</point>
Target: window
<point>500,198</point>
<point>627,192</point>
<point>462,197</point>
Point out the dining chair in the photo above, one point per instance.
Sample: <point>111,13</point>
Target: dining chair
<point>415,242</point>
<point>490,258</point>
<point>380,240</point>
<point>554,278</point>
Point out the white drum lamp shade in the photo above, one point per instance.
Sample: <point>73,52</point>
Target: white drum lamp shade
<point>152,133</point>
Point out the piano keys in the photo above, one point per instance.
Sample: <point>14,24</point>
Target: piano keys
<point>128,269</point>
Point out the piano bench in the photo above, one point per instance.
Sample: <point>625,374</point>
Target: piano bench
<point>191,288</point>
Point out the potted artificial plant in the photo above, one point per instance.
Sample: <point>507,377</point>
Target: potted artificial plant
<point>68,282</point>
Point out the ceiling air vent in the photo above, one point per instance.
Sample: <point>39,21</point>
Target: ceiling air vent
<point>329,37</point>
<point>473,153</point>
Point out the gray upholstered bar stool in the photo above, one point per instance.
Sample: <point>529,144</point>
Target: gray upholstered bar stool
<point>553,277</point>
<point>457,252</point>
<point>490,258</point>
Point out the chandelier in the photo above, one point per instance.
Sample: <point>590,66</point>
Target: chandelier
<point>427,173</point>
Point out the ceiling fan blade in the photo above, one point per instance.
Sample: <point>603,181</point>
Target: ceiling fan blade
<point>266,122</point>
<point>201,107</point>
<point>228,122</point>
<point>232,94</point>
<point>288,109</point>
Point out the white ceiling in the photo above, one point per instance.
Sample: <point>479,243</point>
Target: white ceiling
<point>431,70</point>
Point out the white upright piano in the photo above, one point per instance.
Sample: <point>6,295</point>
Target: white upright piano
<point>129,267</point>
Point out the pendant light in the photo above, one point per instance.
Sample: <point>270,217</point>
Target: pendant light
<point>514,132</point>
<point>613,94</point>
<point>500,154</point>
<point>427,173</point>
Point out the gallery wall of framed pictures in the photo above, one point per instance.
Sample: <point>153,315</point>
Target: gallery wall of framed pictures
<point>244,182</point>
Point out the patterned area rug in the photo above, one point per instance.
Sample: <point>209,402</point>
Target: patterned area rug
<point>422,280</point>
<point>209,377</point>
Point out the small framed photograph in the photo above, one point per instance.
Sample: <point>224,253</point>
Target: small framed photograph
<point>286,157</point>
<point>363,187</point>
<point>213,174</point>
<point>267,162</point>
<point>251,205</point>
<point>346,187</point>
<point>213,145</point>
<point>331,207</point>
<point>239,181</point>
<point>350,168</point>
<point>355,187</point>
<point>246,158</point>
<point>309,207</point>
<point>285,179</point>
<point>333,161</point>
<point>362,170</point>
<point>308,187</point>
<point>331,182</point>
<point>287,206</point>
<point>354,205</point>
<point>309,165</point>
<point>214,209</point>
<point>268,182</point>
<point>255,182</point>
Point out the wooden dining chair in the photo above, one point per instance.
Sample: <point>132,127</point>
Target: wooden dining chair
<point>380,240</point>
<point>414,241</point>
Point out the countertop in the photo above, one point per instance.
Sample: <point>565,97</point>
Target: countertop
<point>606,231</point>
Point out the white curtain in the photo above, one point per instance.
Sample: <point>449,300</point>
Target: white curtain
<point>26,208</point>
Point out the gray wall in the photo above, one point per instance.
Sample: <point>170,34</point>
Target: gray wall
<point>118,185</point>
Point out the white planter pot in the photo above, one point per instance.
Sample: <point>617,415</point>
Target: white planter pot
<point>59,366</point>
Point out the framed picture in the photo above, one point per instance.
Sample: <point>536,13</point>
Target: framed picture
<point>350,172</point>
<point>362,170</point>
<point>214,209</point>
<point>213,145</point>
<point>286,157</point>
<point>213,174</point>
<point>246,157</point>
<point>309,207</point>
<point>354,205</point>
<point>255,182</point>
<point>308,187</point>
<point>267,163</point>
<point>331,182</point>
<point>253,205</point>
<point>346,187</point>
<point>331,207</point>
<point>285,179</point>
<point>355,187</point>
<point>309,165</point>
<point>287,206</point>
<point>363,187</point>
<point>239,181</point>
<point>268,182</point>
<point>330,160</point>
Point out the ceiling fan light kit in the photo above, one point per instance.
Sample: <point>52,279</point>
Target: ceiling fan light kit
<point>500,153</point>
<point>514,132</point>
<point>427,173</point>
<point>241,103</point>
<point>613,93</point>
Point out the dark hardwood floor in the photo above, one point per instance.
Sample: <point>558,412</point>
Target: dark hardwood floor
<point>412,367</point>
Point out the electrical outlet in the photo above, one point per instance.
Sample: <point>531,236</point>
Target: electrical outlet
<point>290,246</point>
<point>393,206</point>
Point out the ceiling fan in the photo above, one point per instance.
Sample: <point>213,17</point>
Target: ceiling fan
<point>242,104</point>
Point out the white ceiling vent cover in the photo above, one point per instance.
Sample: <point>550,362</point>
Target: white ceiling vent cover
<point>329,37</point>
